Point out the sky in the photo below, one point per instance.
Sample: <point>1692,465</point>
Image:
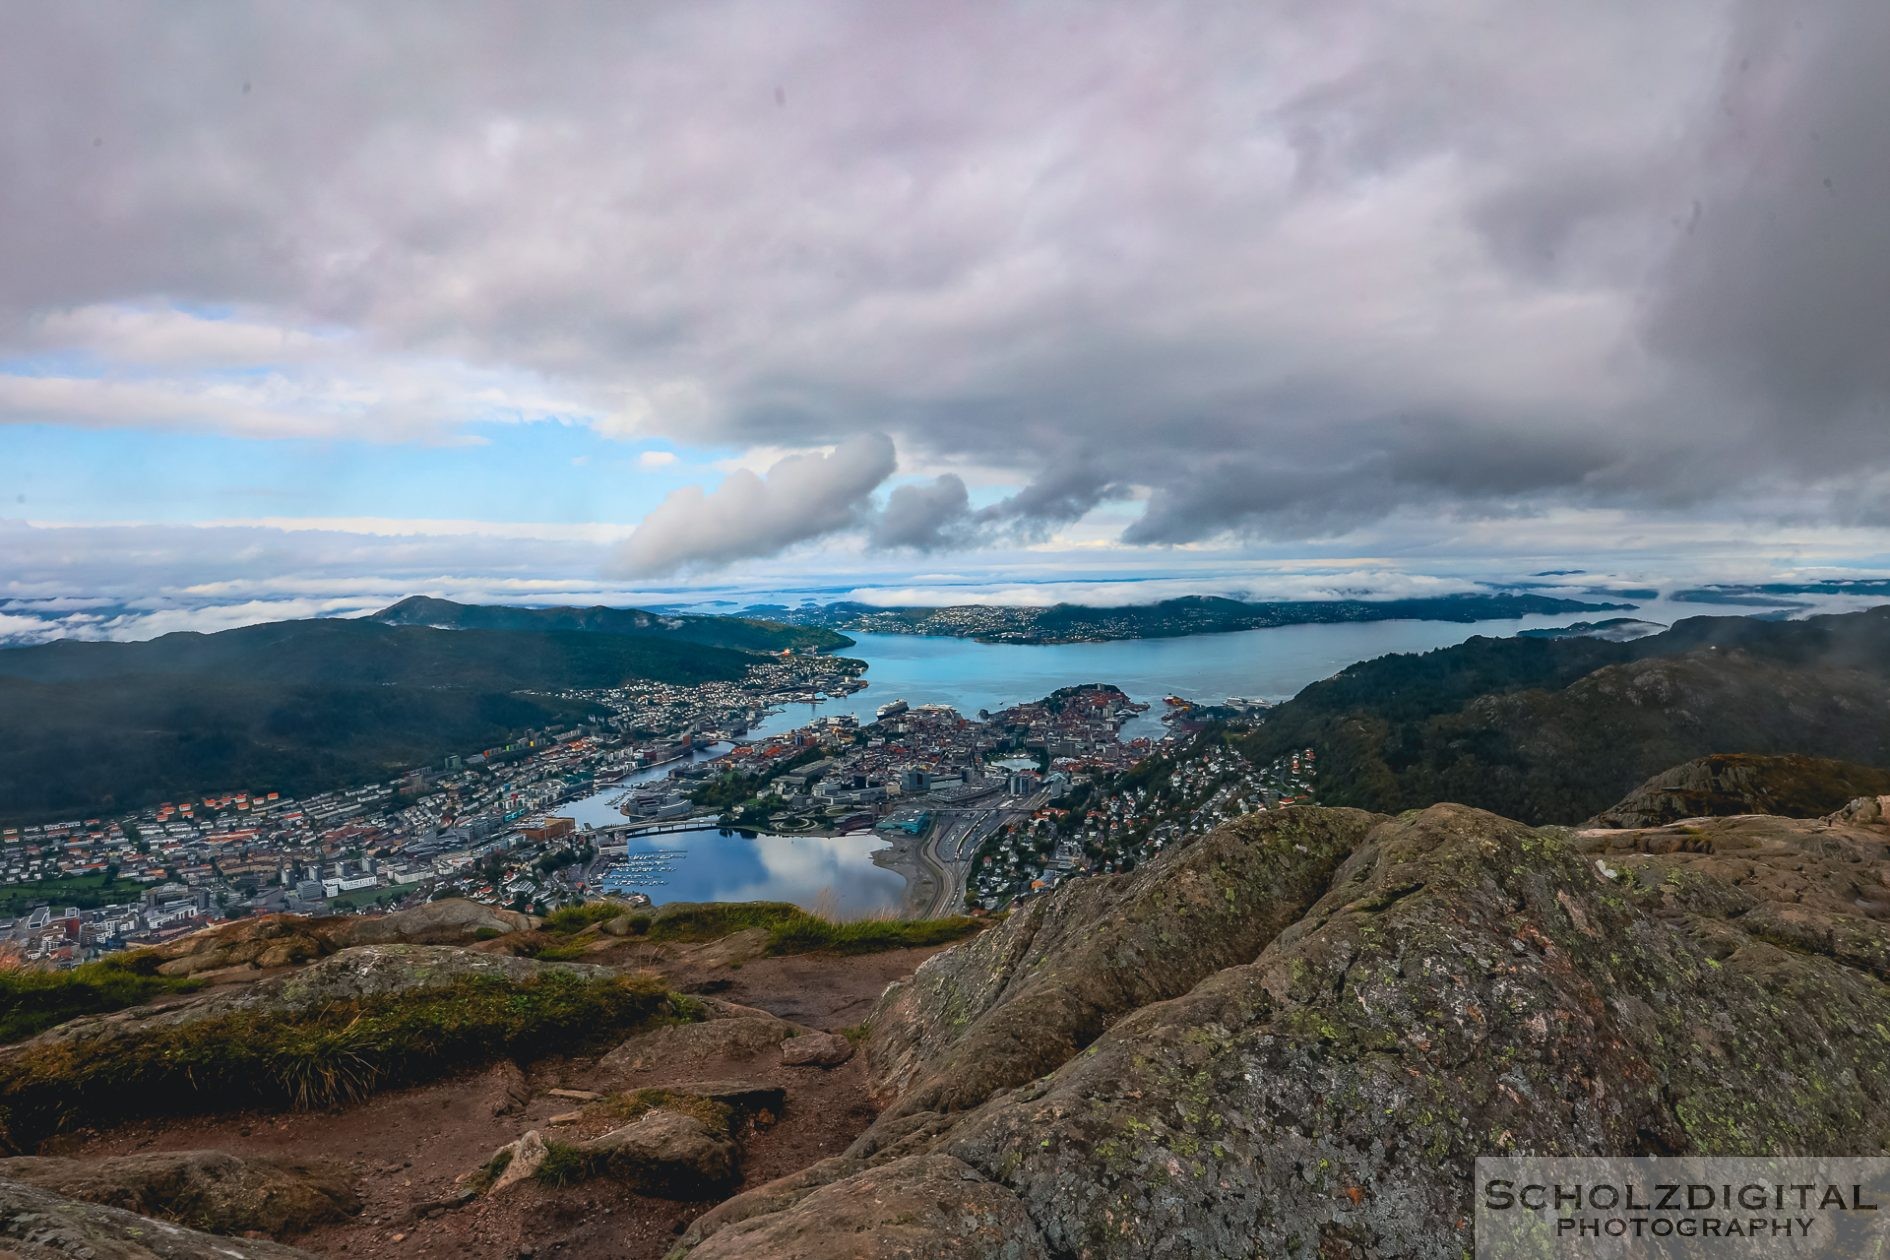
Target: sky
<point>307,307</point>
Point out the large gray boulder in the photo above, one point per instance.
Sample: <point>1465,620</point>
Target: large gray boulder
<point>37,1224</point>
<point>727,1032</point>
<point>1013,1003</point>
<point>924,1207</point>
<point>668,1153</point>
<point>214,1191</point>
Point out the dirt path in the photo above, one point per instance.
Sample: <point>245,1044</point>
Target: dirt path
<point>409,1147</point>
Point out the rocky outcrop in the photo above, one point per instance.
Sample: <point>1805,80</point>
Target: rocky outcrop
<point>212,1191</point>
<point>1445,984</point>
<point>36,1224</point>
<point>284,940</point>
<point>1012,1004</point>
<point>1817,886</point>
<point>1744,783</point>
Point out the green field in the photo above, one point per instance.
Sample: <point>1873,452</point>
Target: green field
<point>361,898</point>
<point>83,891</point>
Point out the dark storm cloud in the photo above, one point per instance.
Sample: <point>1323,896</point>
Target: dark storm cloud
<point>1276,269</point>
<point>924,516</point>
<point>1780,284</point>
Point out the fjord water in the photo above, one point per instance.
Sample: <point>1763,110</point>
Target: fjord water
<point>1268,664</point>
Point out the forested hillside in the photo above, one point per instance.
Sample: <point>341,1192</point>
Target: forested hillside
<point>1558,730</point>
<point>298,705</point>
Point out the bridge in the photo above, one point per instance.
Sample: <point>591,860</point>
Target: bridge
<point>624,831</point>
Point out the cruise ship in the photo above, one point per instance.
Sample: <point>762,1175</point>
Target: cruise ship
<point>891,709</point>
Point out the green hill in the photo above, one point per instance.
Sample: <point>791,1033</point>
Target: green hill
<point>1558,730</point>
<point>744,633</point>
<point>298,705</point>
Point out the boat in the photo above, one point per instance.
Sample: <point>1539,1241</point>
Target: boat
<point>892,708</point>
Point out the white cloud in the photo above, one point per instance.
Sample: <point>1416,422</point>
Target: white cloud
<point>656,459</point>
<point>801,497</point>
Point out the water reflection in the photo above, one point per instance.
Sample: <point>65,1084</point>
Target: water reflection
<point>828,872</point>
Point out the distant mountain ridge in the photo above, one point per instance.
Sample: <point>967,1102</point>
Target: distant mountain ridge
<point>1557,730</point>
<point>743,633</point>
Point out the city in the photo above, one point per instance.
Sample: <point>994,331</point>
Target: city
<point>473,825</point>
<point>936,787</point>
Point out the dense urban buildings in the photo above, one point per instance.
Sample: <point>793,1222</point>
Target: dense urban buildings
<point>937,785</point>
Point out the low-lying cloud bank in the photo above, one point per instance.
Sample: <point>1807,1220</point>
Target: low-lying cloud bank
<point>137,581</point>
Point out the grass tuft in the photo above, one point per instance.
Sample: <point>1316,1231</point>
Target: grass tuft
<point>716,1117</point>
<point>32,1001</point>
<point>553,951</point>
<point>337,1053</point>
<point>572,919</point>
<point>564,1165</point>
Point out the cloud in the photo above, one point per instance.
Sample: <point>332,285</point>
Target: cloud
<point>1201,272</point>
<point>1058,496</point>
<point>134,367</point>
<point>1778,288</point>
<point>801,497</point>
<point>656,459</point>
<point>924,516</point>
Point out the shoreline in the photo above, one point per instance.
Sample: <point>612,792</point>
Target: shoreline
<point>902,856</point>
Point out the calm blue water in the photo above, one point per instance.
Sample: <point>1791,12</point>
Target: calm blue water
<point>1270,664</point>
<point>816,872</point>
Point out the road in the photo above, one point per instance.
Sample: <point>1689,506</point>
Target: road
<point>947,853</point>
